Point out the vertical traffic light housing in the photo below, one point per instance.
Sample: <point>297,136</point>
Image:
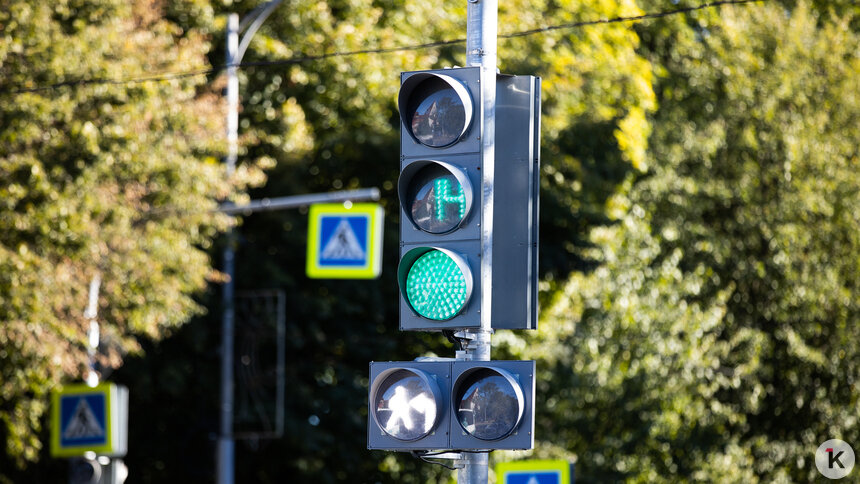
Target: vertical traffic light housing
<point>451,405</point>
<point>441,191</point>
<point>440,178</point>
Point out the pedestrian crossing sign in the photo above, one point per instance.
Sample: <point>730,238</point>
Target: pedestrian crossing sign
<point>89,419</point>
<point>344,241</point>
<point>534,472</point>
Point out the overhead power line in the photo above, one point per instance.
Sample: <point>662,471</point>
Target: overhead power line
<point>101,80</point>
<point>637,18</point>
<point>382,50</point>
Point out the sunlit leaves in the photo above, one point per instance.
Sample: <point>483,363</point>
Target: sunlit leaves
<point>721,325</point>
<point>114,179</point>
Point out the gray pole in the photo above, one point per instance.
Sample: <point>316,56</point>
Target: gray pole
<point>226,445</point>
<point>91,313</point>
<point>481,29</point>
<point>481,21</point>
<point>235,51</point>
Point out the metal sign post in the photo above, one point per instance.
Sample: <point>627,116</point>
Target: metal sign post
<point>235,51</point>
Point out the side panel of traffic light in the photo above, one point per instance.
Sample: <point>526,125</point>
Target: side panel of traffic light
<point>515,212</point>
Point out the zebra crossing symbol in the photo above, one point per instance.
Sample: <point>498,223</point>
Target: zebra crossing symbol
<point>343,246</point>
<point>87,419</point>
<point>83,419</point>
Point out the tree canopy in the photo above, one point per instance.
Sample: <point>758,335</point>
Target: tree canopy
<point>699,204</point>
<point>110,180</point>
<point>716,341</point>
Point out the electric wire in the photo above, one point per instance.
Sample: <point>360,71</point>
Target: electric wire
<point>637,18</point>
<point>381,50</point>
<point>452,338</point>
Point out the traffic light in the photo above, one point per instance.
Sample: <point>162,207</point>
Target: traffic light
<point>493,404</point>
<point>442,194</point>
<point>447,223</point>
<point>439,271</point>
<point>84,471</point>
<point>407,405</point>
<point>451,405</point>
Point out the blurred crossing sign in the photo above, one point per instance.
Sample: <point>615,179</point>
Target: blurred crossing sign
<point>534,472</point>
<point>344,241</point>
<point>89,419</point>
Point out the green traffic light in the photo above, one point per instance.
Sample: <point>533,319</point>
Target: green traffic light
<point>436,196</point>
<point>436,286</point>
<point>449,192</point>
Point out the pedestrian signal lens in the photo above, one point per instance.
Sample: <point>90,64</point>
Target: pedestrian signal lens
<point>489,403</point>
<point>407,404</point>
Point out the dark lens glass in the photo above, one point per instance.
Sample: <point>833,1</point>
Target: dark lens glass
<point>488,406</point>
<point>439,117</point>
<point>437,201</point>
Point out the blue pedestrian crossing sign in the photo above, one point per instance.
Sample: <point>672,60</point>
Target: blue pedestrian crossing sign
<point>89,419</point>
<point>344,241</point>
<point>534,472</point>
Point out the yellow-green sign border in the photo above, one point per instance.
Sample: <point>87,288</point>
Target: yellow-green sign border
<point>373,266</point>
<point>528,466</point>
<point>106,389</point>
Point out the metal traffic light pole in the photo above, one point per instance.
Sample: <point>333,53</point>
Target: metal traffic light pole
<point>481,29</point>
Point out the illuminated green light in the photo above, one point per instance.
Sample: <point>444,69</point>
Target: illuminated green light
<point>445,196</point>
<point>435,286</point>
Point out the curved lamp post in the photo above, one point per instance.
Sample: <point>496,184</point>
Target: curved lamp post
<point>235,51</point>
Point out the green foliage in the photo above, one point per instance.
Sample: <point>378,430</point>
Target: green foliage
<point>346,127</point>
<point>596,95</point>
<point>699,249</point>
<point>717,339</point>
<point>111,180</point>
<point>332,124</point>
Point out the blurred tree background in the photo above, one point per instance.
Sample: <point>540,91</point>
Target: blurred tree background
<point>109,180</point>
<point>699,244</point>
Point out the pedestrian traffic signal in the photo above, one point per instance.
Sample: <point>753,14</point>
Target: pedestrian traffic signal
<point>443,190</point>
<point>493,405</point>
<point>451,405</point>
<point>97,470</point>
<point>407,405</point>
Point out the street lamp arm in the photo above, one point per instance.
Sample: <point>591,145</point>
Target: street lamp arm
<point>255,19</point>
